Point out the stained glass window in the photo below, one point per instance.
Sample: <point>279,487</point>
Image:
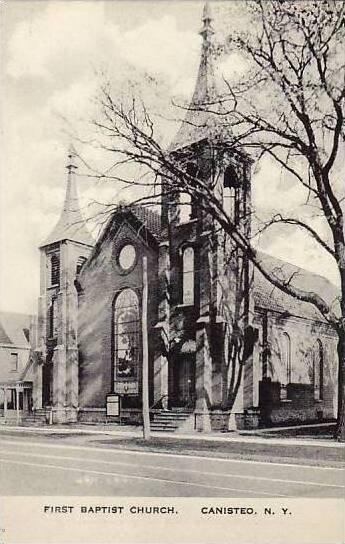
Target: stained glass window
<point>126,335</point>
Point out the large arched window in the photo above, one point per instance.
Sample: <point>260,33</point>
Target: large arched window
<point>55,270</point>
<point>230,186</point>
<point>188,276</point>
<point>318,370</point>
<point>286,364</point>
<point>126,336</point>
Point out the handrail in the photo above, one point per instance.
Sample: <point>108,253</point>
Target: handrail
<point>157,402</point>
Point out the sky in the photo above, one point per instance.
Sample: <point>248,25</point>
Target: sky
<point>54,55</point>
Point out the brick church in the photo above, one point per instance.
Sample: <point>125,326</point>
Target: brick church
<point>203,299</point>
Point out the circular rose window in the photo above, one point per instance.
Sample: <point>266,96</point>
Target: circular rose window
<point>127,257</point>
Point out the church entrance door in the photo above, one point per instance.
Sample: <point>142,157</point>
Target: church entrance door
<point>183,386</point>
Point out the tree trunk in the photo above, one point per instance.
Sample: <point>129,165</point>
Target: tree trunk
<point>340,429</point>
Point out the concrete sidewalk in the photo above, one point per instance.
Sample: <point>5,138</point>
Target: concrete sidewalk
<point>136,432</point>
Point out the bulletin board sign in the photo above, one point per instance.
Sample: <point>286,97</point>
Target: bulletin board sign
<point>113,405</point>
<point>126,388</point>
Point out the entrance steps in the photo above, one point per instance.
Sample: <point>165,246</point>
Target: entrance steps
<point>36,417</point>
<point>172,420</point>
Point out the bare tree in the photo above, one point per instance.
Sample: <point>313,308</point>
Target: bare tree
<point>296,66</point>
<point>296,56</point>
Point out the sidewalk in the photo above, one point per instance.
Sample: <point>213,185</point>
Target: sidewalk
<point>136,432</point>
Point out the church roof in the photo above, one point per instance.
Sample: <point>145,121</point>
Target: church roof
<point>203,119</point>
<point>150,218</point>
<point>14,329</point>
<point>145,220</point>
<point>71,224</point>
<point>268,297</point>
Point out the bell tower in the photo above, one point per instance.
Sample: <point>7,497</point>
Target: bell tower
<point>203,148</point>
<point>62,256</point>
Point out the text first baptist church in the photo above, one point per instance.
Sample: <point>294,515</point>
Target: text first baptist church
<point>90,336</point>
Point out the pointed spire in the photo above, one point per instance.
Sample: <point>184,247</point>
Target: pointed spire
<point>197,123</point>
<point>71,225</point>
<point>71,164</point>
<point>207,30</point>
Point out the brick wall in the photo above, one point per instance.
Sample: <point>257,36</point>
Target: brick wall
<point>100,282</point>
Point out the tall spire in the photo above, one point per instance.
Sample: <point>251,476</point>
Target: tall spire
<point>71,225</point>
<point>197,123</point>
<point>207,30</point>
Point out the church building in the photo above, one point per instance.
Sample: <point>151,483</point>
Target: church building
<point>226,349</point>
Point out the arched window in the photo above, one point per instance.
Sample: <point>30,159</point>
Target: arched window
<point>286,364</point>
<point>230,184</point>
<point>55,270</point>
<point>80,262</point>
<point>185,207</point>
<point>188,276</point>
<point>126,336</point>
<point>318,370</point>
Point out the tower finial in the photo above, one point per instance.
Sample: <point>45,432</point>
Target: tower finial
<point>71,165</point>
<point>207,30</point>
<point>207,14</point>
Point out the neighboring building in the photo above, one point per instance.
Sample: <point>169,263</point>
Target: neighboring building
<point>202,292</point>
<point>17,333</point>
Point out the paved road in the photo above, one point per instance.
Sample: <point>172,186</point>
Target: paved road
<point>37,467</point>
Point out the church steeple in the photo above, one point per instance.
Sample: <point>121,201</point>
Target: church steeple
<point>71,225</point>
<point>199,121</point>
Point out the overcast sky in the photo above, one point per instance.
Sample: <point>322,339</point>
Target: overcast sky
<point>52,56</point>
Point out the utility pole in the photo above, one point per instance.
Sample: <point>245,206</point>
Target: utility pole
<point>145,369</point>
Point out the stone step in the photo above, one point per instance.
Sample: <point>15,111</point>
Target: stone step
<point>173,413</point>
<point>168,418</point>
<point>37,418</point>
<point>167,428</point>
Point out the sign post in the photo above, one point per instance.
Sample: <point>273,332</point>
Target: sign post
<point>145,370</point>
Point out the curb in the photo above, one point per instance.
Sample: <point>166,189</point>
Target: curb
<point>196,437</point>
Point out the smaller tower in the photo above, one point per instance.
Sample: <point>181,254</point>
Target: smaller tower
<point>62,255</point>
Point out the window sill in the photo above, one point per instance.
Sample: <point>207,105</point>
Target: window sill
<point>189,305</point>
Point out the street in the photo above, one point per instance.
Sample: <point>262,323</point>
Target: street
<point>41,466</point>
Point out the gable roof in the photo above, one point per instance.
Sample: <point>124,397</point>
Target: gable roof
<point>150,218</point>
<point>145,220</point>
<point>268,297</point>
<point>14,329</point>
